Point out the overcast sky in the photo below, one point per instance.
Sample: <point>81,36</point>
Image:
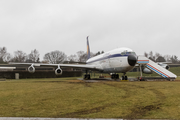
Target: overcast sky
<point>48,25</point>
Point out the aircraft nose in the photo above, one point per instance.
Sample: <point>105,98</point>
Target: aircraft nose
<point>132,60</point>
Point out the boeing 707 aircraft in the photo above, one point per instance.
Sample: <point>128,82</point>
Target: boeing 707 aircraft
<point>120,60</point>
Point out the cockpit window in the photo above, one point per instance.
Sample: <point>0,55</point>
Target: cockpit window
<point>128,53</point>
<point>132,53</point>
<point>124,52</point>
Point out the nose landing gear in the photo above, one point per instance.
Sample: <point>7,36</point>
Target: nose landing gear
<point>124,77</point>
<point>116,76</point>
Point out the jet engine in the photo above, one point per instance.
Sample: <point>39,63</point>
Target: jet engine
<point>58,71</point>
<point>164,66</point>
<point>31,69</point>
<point>147,71</point>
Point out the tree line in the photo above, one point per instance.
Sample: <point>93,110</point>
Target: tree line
<point>54,57</point>
<point>157,57</point>
<point>57,56</point>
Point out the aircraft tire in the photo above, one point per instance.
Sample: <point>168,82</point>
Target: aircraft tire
<point>112,76</point>
<point>87,77</point>
<point>117,76</point>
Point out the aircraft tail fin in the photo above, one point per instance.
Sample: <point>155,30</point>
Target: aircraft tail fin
<point>88,49</point>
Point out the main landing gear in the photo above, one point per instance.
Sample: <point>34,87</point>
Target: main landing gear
<point>87,76</point>
<point>116,76</point>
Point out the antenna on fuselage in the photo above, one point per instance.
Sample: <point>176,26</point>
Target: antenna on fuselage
<point>88,49</point>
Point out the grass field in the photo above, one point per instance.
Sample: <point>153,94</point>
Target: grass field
<point>71,98</point>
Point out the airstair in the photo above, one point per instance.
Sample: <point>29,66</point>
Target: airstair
<point>156,68</point>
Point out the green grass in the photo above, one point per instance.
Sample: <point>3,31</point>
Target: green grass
<point>77,99</point>
<point>175,70</point>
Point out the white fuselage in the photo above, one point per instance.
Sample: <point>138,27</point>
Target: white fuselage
<point>114,61</point>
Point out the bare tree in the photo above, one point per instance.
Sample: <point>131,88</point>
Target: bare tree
<point>174,59</point>
<point>92,54</point>
<point>82,56</point>
<point>157,55</point>
<point>19,56</point>
<point>151,56</point>
<point>55,57</point>
<point>2,53</point>
<point>34,56</point>
<point>4,56</point>
<point>98,53</point>
<point>167,58</point>
<point>72,58</point>
<point>146,54</point>
<point>7,57</point>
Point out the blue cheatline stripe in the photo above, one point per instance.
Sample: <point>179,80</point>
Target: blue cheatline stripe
<point>157,71</point>
<point>143,61</point>
<point>107,57</point>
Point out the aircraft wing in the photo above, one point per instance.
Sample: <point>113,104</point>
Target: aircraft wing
<point>7,68</point>
<point>81,66</point>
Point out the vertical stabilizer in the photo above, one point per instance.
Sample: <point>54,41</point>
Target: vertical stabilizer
<point>88,49</point>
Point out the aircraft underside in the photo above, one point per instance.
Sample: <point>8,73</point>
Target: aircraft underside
<point>113,72</point>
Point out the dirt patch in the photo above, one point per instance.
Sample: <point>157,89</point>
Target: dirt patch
<point>86,84</point>
<point>123,87</point>
<point>85,111</point>
<point>158,94</point>
<point>139,111</point>
<point>49,81</point>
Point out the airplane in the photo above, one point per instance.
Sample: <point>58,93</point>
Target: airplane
<point>119,60</point>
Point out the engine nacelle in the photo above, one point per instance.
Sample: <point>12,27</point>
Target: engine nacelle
<point>164,66</point>
<point>31,69</point>
<point>147,71</point>
<point>58,71</point>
